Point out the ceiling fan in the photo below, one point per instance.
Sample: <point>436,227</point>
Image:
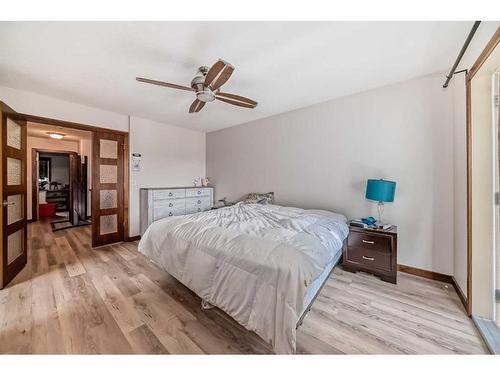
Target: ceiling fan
<point>206,84</point>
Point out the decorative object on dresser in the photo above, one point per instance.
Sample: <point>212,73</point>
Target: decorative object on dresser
<point>197,181</point>
<point>372,251</point>
<point>380,191</point>
<point>158,203</point>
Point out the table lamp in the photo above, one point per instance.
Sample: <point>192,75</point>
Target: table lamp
<point>380,191</point>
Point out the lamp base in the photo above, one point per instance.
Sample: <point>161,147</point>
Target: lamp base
<point>380,209</point>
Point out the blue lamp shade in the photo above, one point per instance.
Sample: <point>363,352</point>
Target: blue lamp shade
<point>380,190</point>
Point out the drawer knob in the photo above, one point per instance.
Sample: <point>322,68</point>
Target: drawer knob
<point>369,242</point>
<point>170,213</point>
<point>199,209</point>
<point>170,194</point>
<point>170,205</point>
<point>199,202</point>
<point>199,192</point>
<point>368,258</point>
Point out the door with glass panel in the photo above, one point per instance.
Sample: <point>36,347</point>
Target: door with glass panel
<point>107,188</point>
<point>13,219</point>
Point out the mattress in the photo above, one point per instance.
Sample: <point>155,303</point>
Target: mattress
<point>258,263</point>
<point>319,281</point>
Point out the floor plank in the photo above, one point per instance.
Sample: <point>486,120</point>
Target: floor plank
<point>75,299</point>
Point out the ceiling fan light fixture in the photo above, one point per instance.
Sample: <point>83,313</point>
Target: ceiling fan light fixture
<point>205,95</point>
<point>55,135</point>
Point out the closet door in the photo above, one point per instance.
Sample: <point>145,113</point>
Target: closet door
<point>13,222</point>
<point>107,188</point>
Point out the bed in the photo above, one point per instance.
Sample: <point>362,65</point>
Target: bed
<point>261,264</point>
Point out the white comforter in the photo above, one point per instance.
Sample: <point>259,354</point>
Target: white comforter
<point>253,261</point>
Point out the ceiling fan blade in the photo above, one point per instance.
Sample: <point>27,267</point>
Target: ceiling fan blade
<point>196,106</point>
<point>164,84</point>
<point>234,102</point>
<point>238,98</point>
<point>218,74</point>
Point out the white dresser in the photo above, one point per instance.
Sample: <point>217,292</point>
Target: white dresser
<point>157,203</point>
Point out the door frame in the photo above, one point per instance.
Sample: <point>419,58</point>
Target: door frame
<point>125,151</point>
<point>490,47</point>
<point>34,179</point>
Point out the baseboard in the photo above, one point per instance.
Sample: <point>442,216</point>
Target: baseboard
<point>425,273</point>
<point>133,238</point>
<point>460,293</point>
<point>436,276</point>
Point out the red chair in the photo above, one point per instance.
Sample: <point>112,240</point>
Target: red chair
<point>47,209</point>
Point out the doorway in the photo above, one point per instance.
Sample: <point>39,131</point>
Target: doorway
<point>483,192</point>
<point>105,200</point>
<point>59,181</point>
<point>59,188</point>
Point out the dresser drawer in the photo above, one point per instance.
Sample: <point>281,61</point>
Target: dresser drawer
<point>165,211</point>
<point>169,194</point>
<point>173,204</point>
<point>194,209</point>
<point>198,204</point>
<point>198,192</point>
<point>370,258</point>
<point>368,241</point>
<point>200,201</point>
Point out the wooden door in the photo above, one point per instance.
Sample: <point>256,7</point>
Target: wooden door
<point>13,226</point>
<point>107,188</point>
<point>81,190</point>
<point>74,174</point>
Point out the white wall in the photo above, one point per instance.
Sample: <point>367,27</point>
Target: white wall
<point>171,156</point>
<point>321,156</point>
<point>459,183</point>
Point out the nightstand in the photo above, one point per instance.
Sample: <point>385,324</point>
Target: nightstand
<point>372,251</point>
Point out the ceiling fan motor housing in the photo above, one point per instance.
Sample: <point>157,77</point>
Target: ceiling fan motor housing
<point>202,93</point>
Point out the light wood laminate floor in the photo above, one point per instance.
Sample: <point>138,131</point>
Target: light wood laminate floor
<point>74,299</point>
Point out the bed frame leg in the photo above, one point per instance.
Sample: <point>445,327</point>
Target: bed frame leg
<point>205,305</point>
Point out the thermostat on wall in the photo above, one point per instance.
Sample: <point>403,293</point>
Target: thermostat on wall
<point>136,162</point>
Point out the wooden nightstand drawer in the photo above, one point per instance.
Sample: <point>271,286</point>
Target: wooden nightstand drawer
<point>370,258</point>
<point>372,251</point>
<point>370,241</point>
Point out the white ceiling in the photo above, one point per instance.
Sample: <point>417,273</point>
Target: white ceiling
<point>282,65</point>
<point>70,134</point>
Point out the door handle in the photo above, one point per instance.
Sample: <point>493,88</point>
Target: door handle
<point>6,203</point>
